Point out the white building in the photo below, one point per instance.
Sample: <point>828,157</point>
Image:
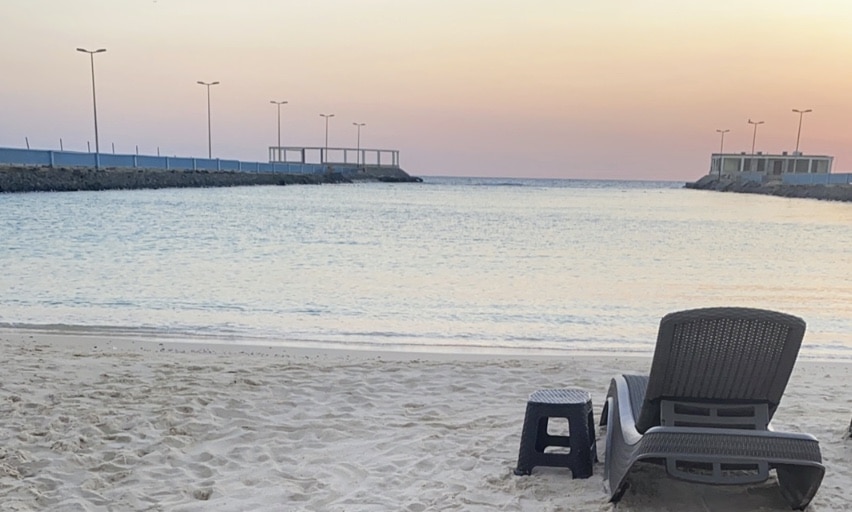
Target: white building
<point>733,165</point>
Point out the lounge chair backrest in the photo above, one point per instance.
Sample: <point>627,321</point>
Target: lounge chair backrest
<point>721,355</point>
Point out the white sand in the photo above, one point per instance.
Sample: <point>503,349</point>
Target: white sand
<point>113,424</point>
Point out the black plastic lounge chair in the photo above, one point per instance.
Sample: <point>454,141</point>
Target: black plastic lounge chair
<point>716,379</point>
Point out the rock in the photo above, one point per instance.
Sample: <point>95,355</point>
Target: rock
<point>775,188</point>
<point>46,179</point>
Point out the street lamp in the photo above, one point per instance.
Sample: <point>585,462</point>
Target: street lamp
<point>722,143</point>
<point>209,136</point>
<point>358,150</point>
<point>721,150</point>
<point>279,103</point>
<point>799,133</point>
<point>326,116</point>
<point>754,137</point>
<point>94,98</point>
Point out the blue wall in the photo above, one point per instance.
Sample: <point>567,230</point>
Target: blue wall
<point>13,156</point>
<point>816,179</point>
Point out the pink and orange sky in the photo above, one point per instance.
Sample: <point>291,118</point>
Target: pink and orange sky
<point>631,89</point>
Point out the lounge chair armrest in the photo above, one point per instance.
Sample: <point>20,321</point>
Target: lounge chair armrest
<point>627,420</point>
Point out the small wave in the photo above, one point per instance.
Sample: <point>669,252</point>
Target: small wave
<point>459,343</point>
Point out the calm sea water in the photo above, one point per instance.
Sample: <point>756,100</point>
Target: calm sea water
<point>490,265</point>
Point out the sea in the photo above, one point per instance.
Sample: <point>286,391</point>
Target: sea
<point>458,265</point>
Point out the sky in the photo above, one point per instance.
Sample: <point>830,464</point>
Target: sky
<point>615,89</point>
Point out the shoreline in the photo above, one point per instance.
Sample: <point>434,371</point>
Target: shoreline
<point>100,423</point>
<point>19,178</point>
<point>108,343</point>
<point>95,342</point>
<point>85,337</point>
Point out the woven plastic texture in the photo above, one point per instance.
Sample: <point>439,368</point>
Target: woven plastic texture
<point>722,354</point>
<point>731,446</point>
<point>560,396</point>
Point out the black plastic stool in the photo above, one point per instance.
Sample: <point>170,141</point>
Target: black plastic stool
<point>575,405</point>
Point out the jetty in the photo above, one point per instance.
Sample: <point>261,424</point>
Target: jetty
<point>785,175</point>
<point>26,170</point>
<point>826,192</point>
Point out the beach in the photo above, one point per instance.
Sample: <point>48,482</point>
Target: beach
<point>116,423</point>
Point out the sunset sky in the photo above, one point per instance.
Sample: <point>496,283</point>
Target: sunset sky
<point>631,89</point>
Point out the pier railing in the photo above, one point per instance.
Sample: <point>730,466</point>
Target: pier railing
<point>334,156</point>
<point>49,158</point>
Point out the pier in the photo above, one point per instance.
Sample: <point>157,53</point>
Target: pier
<point>288,160</point>
<point>334,156</point>
<point>30,170</point>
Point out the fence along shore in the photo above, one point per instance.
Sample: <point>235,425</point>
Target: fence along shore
<point>28,170</point>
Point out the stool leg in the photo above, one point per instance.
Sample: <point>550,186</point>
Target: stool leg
<point>592,435</point>
<point>542,440</point>
<point>526,452</point>
<point>581,450</point>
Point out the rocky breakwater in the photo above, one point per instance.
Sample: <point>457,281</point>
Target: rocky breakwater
<point>385,174</point>
<point>47,179</point>
<point>775,188</point>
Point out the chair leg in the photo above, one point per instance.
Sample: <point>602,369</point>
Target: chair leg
<point>799,484</point>
<point>619,493</point>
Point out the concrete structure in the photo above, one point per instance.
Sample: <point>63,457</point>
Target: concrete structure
<point>289,160</point>
<point>335,156</point>
<point>48,158</point>
<point>736,165</point>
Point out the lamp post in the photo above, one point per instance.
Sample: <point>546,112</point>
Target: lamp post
<point>325,151</point>
<point>754,137</point>
<point>209,135</point>
<point>94,98</point>
<point>722,143</point>
<point>279,103</point>
<point>799,133</point>
<point>721,150</point>
<point>358,144</point>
